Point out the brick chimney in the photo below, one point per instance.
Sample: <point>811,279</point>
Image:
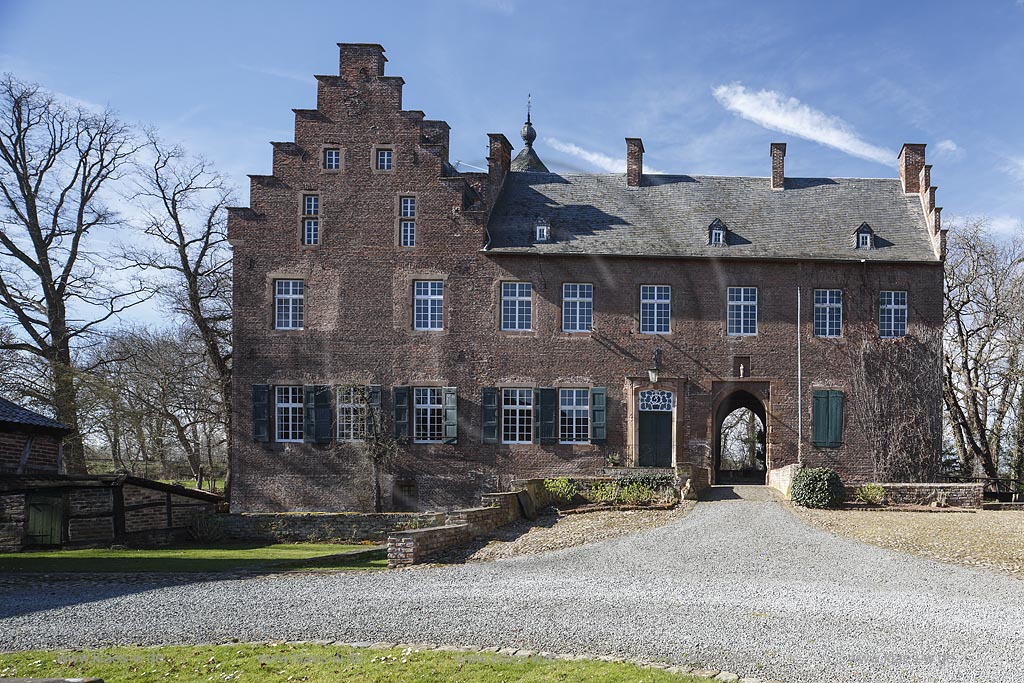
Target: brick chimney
<point>499,158</point>
<point>911,165</point>
<point>361,61</point>
<point>778,165</point>
<point>634,161</point>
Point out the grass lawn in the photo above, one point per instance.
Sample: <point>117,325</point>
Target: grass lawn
<point>277,557</point>
<point>317,664</point>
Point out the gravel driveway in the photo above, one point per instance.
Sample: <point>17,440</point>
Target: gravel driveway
<point>737,584</point>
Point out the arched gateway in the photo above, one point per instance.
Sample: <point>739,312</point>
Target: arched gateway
<point>743,457</point>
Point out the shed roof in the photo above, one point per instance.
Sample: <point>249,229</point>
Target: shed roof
<point>14,415</point>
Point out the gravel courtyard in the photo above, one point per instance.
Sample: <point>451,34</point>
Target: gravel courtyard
<point>742,585</point>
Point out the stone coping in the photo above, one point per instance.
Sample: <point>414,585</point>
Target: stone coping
<point>427,529</point>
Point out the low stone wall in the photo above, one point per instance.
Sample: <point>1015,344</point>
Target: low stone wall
<point>297,527</point>
<point>954,495</point>
<point>781,478</point>
<point>414,547</point>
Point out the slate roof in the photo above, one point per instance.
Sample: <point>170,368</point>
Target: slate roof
<point>12,413</point>
<point>527,160</point>
<point>669,216</point>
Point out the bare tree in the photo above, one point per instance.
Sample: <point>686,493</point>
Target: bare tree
<point>381,448</point>
<point>984,344</point>
<point>184,202</point>
<point>56,163</point>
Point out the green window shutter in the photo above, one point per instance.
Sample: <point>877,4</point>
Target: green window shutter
<point>819,419</point>
<point>835,419</point>
<point>548,424</point>
<point>309,413</point>
<point>323,415</point>
<point>373,399</point>
<point>451,416</point>
<point>598,415</point>
<point>401,395</point>
<point>261,412</point>
<point>489,415</point>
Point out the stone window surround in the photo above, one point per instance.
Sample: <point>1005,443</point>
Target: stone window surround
<point>562,332</point>
<point>406,302</point>
<point>270,301</point>
<point>342,154</point>
<point>497,304</point>
<point>373,157</point>
<point>399,218</point>
<point>640,305</point>
<point>301,203</point>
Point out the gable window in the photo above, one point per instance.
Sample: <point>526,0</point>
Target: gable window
<point>427,415</point>
<point>864,240</point>
<point>827,417</point>
<point>383,161</point>
<point>516,306</point>
<point>574,416</point>
<point>542,232</point>
<point>311,219</point>
<point>655,309</point>
<point>892,314</point>
<point>828,313</point>
<point>517,415</point>
<point>289,415</point>
<point>288,304</point>
<point>577,307</point>
<point>351,408</point>
<point>332,159</point>
<point>742,314</point>
<point>407,222</point>
<point>428,305</point>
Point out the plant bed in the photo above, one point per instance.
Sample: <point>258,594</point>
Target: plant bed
<point>871,507</point>
<point>606,507</point>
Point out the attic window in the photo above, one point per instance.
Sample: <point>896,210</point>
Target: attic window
<point>543,232</point>
<point>717,237</point>
<point>864,240</point>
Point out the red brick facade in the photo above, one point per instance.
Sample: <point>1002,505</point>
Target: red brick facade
<point>358,318</point>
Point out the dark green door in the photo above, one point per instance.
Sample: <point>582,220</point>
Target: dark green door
<point>45,519</point>
<point>655,438</point>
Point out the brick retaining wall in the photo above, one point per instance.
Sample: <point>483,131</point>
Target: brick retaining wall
<point>413,547</point>
<point>294,527</point>
<point>956,495</point>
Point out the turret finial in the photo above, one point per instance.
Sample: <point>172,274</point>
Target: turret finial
<point>528,133</point>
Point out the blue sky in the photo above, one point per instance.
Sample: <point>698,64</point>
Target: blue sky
<point>707,85</point>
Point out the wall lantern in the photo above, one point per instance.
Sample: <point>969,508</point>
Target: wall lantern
<point>652,372</point>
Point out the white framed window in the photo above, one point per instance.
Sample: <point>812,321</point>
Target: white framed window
<point>311,219</point>
<point>516,306</point>
<point>289,418</point>
<point>428,305</point>
<point>542,232</point>
<point>517,415</point>
<point>655,309</point>
<point>892,314</point>
<point>427,414</point>
<point>332,159</point>
<point>383,162</point>
<point>864,240</point>
<point>828,313</point>
<point>717,237</point>
<point>577,307</point>
<point>288,304</point>
<point>574,415</point>
<point>407,222</point>
<point>351,413</point>
<point>311,231</point>
<point>742,314</point>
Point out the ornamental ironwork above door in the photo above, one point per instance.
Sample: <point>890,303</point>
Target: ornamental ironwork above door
<point>655,400</point>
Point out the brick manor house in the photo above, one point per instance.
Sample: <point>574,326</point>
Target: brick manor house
<point>520,323</point>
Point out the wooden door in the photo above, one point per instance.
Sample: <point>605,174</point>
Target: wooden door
<point>655,438</point>
<point>45,519</point>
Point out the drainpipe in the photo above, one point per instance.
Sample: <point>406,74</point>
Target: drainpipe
<point>799,387</point>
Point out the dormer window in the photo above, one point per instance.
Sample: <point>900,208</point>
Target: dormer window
<point>542,232</point>
<point>717,233</point>
<point>864,238</point>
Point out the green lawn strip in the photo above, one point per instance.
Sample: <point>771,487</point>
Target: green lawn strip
<point>317,664</point>
<point>278,556</point>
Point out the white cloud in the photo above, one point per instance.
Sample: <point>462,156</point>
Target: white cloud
<point>775,111</point>
<point>1005,225</point>
<point>1015,167</point>
<point>949,149</point>
<point>601,161</point>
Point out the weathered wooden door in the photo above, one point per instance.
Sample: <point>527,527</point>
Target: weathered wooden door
<point>655,439</point>
<point>45,519</point>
